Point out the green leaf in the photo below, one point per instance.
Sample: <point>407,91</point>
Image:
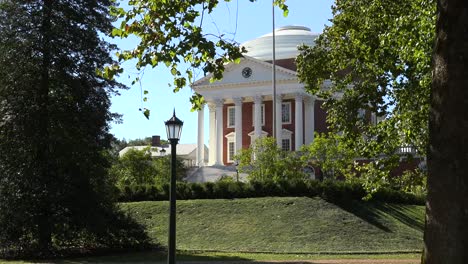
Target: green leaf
<point>116,32</point>
<point>146,113</point>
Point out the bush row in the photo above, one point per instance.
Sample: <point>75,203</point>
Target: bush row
<point>329,190</point>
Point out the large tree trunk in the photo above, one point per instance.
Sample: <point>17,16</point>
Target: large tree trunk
<point>446,234</point>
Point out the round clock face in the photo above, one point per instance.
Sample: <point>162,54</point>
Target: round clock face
<point>246,72</point>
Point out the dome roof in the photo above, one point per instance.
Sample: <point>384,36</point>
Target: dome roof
<point>287,38</point>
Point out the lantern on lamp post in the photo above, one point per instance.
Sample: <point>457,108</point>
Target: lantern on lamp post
<point>173,129</point>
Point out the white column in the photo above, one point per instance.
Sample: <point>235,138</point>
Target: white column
<point>212,139</point>
<point>238,122</point>
<point>219,132</point>
<point>279,122</point>
<point>309,119</point>
<point>200,143</point>
<point>299,128</point>
<point>258,116</point>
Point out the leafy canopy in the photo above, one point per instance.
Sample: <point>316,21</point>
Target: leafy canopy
<point>377,55</point>
<point>329,153</point>
<point>265,161</point>
<point>139,167</point>
<point>172,33</point>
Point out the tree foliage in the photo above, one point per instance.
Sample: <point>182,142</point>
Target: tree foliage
<point>138,167</point>
<point>265,161</point>
<point>171,33</point>
<point>377,55</point>
<point>54,110</point>
<point>329,153</point>
<point>145,142</point>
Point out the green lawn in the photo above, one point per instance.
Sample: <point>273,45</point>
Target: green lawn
<point>285,225</point>
<point>265,229</point>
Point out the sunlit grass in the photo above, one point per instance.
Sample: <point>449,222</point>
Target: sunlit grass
<point>285,225</point>
<point>275,229</point>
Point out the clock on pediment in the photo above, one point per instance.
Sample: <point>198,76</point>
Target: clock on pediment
<point>246,72</point>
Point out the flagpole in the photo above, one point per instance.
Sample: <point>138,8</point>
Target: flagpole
<point>274,73</point>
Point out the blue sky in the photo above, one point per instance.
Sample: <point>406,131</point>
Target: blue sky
<point>239,19</point>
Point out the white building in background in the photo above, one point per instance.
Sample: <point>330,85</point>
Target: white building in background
<point>187,152</point>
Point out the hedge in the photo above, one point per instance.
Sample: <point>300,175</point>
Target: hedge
<point>334,191</point>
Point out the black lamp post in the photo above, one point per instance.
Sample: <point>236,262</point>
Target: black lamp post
<point>174,129</point>
<point>236,163</point>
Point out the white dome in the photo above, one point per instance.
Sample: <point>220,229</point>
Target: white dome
<point>287,38</point>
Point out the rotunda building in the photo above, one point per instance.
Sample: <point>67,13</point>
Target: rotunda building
<point>241,104</point>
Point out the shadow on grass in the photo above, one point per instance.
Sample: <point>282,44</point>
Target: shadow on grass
<point>147,257</point>
<point>365,211</point>
<point>190,258</point>
<point>405,215</point>
<point>373,213</point>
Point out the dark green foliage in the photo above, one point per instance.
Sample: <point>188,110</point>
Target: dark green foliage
<point>183,191</point>
<point>334,191</point>
<point>199,190</point>
<point>54,128</point>
<point>342,191</point>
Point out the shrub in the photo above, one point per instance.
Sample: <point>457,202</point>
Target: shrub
<point>300,188</point>
<point>331,190</point>
<point>394,196</point>
<point>183,191</point>
<point>208,187</point>
<point>198,191</point>
<point>221,190</point>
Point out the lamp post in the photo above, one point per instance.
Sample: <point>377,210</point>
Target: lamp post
<point>173,129</point>
<point>236,163</point>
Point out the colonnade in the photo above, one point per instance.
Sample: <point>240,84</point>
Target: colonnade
<point>216,133</point>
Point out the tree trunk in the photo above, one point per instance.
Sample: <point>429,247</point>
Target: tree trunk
<point>446,234</point>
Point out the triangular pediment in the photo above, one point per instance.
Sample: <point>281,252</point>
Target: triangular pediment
<point>248,71</point>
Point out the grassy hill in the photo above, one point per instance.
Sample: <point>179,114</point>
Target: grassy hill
<point>292,225</point>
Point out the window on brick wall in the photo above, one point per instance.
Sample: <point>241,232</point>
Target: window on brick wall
<point>231,151</point>
<point>231,147</point>
<point>231,116</point>
<point>286,144</point>
<point>286,112</point>
<point>286,140</point>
